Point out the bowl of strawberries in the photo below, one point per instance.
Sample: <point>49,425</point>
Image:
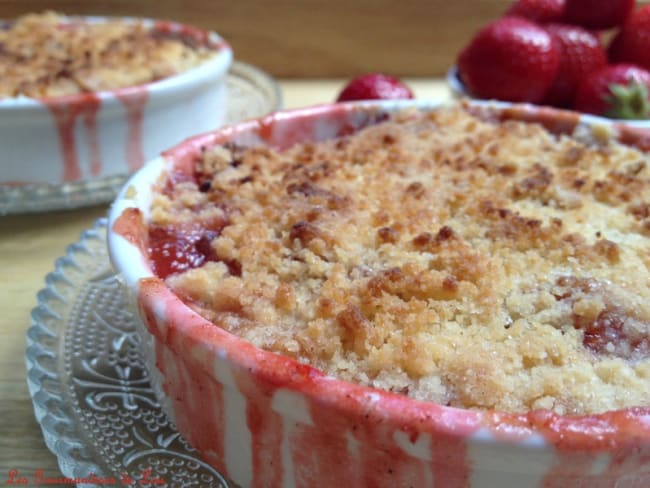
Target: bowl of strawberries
<point>590,56</point>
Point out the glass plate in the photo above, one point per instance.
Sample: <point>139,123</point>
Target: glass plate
<point>251,93</point>
<point>89,385</point>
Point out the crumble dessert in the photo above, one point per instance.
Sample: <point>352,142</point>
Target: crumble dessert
<point>48,54</point>
<point>460,259</point>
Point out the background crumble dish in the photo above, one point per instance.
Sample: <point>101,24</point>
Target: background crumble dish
<point>44,55</point>
<point>488,265</point>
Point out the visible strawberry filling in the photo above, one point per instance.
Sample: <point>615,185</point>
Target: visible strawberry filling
<point>611,333</point>
<point>174,250</point>
<point>615,330</point>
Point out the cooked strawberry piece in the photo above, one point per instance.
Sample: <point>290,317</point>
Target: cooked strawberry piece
<point>609,334</point>
<point>619,91</point>
<point>617,330</point>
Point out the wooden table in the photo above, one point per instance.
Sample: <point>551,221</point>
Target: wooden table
<point>29,245</point>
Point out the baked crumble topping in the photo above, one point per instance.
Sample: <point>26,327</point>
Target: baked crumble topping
<point>475,263</point>
<point>48,54</point>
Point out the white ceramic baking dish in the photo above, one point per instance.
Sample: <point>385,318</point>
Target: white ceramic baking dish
<point>91,135</point>
<point>265,420</point>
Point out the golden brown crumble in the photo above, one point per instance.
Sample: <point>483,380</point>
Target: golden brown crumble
<point>474,263</point>
<point>48,54</point>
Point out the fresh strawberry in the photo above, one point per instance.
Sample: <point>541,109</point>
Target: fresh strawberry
<point>597,14</point>
<point>619,91</point>
<point>632,43</point>
<point>540,11</point>
<point>511,59</point>
<point>374,86</point>
<point>580,54</point>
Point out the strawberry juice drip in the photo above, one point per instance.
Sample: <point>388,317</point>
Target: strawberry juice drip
<point>134,100</point>
<point>90,121</point>
<point>66,111</point>
<point>266,429</point>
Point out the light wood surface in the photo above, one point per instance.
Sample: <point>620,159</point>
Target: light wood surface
<point>29,245</point>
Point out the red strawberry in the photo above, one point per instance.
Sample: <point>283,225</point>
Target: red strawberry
<point>632,43</point>
<point>580,54</point>
<point>597,14</point>
<point>619,91</point>
<point>374,86</point>
<point>510,59</point>
<point>541,11</point>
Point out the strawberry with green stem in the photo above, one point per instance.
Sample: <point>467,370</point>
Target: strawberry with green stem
<point>617,91</point>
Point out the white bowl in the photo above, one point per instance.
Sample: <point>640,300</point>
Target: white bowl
<point>263,419</point>
<point>458,90</point>
<point>79,137</point>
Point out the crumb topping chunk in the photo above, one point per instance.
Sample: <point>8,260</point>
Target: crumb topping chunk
<point>473,262</point>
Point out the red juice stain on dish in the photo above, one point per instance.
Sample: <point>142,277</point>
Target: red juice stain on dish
<point>134,100</point>
<point>66,110</point>
<point>266,429</point>
<point>176,330</point>
<point>638,137</point>
<point>130,225</point>
<point>580,442</point>
<point>367,452</point>
<point>327,435</point>
<point>191,390</point>
<point>90,121</point>
<point>189,387</point>
<point>609,431</point>
<point>384,463</point>
<point>623,467</point>
<point>452,465</point>
<point>266,126</point>
<point>554,120</point>
<point>407,469</point>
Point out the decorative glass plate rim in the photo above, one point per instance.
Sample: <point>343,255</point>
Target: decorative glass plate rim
<point>47,353</point>
<point>84,193</point>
